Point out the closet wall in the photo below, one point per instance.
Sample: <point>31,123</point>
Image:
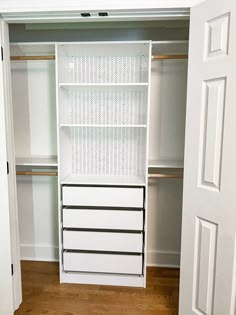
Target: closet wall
<point>34,106</point>
<point>166,143</point>
<point>33,84</point>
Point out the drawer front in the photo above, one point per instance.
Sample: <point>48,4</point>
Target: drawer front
<point>102,196</point>
<point>103,241</point>
<point>105,263</point>
<point>103,219</point>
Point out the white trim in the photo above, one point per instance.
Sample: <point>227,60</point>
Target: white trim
<point>76,18</point>
<point>163,258</point>
<point>13,206</point>
<point>109,42</point>
<point>39,252</point>
<point>6,283</point>
<point>118,11</point>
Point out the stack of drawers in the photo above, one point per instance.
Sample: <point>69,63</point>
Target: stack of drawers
<point>103,229</point>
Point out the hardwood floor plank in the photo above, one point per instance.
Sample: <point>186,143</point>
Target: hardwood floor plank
<point>44,295</point>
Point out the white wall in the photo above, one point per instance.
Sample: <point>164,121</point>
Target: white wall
<point>37,197</point>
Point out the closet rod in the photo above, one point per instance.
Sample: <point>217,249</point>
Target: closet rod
<point>28,173</point>
<point>48,57</point>
<point>178,176</point>
<point>52,57</point>
<point>161,57</point>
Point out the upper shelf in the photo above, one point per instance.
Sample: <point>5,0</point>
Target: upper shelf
<point>166,164</point>
<point>104,180</point>
<point>41,161</point>
<point>71,85</point>
<point>52,161</point>
<point>103,126</point>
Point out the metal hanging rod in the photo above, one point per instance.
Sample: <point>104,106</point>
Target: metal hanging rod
<point>29,173</point>
<point>52,57</point>
<point>48,57</point>
<point>162,57</point>
<point>177,176</point>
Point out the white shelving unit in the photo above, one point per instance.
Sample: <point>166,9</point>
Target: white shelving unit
<point>103,102</point>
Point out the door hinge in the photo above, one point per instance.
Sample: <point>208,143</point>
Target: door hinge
<point>7,168</point>
<point>2,53</point>
<point>12,269</point>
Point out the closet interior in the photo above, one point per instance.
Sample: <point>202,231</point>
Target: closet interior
<point>99,143</point>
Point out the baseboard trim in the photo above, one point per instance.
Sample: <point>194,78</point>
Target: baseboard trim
<point>155,258</point>
<point>159,258</point>
<point>39,252</point>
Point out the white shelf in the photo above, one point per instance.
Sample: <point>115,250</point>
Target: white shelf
<point>71,85</point>
<point>103,126</point>
<point>105,180</point>
<point>166,164</point>
<point>37,161</point>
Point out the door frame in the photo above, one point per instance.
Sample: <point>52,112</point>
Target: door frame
<point>10,280</point>
<point>50,18</point>
<point>14,224</point>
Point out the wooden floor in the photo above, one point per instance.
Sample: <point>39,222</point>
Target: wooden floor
<point>43,295</point>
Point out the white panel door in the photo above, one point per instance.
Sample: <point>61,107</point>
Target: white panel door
<point>208,258</point>
<point>6,285</point>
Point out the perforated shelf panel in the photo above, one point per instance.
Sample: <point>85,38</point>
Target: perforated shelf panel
<point>108,69</point>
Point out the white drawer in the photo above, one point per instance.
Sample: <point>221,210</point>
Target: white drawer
<point>103,219</point>
<point>105,263</point>
<point>102,196</point>
<point>103,241</point>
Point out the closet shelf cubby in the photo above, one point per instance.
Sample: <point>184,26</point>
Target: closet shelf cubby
<point>110,63</point>
<point>103,105</point>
